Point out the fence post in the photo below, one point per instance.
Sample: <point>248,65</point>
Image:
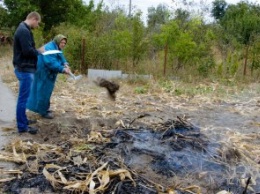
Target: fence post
<point>165,58</point>
<point>83,45</point>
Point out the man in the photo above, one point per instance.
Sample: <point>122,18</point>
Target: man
<point>25,64</point>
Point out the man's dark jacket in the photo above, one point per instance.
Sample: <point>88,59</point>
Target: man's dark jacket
<point>24,51</point>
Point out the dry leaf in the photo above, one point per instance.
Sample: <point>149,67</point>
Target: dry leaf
<point>63,179</point>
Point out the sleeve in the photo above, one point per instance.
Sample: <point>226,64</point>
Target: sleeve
<point>63,59</point>
<point>27,44</point>
<point>54,62</point>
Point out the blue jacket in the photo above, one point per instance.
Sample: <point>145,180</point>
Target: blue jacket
<point>48,67</point>
<point>24,51</point>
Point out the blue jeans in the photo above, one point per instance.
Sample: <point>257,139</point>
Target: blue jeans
<point>25,83</point>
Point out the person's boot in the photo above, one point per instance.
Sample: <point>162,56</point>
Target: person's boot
<point>30,122</point>
<point>30,130</point>
<point>48,115</point>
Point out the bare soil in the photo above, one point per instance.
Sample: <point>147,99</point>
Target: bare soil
<point>222,154</point>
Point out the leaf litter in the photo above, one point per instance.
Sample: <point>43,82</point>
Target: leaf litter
<point>137,143</point>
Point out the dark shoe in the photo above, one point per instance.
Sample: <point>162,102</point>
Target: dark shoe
<point>30,122</point>
<point>48,116</point>
<point>30,130</point>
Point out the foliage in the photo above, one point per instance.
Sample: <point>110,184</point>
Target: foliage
<point>54,12</point>
<point>140,90</point>
<point>166,85</point>
<point>86,16</point>
<point>186,47</point>
<point>105,47</point>
<point>18,10</point>
<point>138,42</point>
<point>174,39</point>
<point>73,48</point>
<point>255,54</point>
<point>3,17</point>
<point>242,20</point>
<point>38,37</point>
<point>157,16</point>
<point>205,67</point>
<point>219,9</point>
<point>120,42</point>
<point>168,34</point>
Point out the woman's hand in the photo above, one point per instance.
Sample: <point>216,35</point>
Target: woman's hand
<point>66,70</point>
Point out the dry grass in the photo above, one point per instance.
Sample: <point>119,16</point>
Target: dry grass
<point>7,70</point>
<point>85,100</point>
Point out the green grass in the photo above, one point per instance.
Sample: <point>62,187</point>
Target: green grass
<point>141,90</point>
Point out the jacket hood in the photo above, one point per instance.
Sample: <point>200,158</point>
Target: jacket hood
<point>57,39</point>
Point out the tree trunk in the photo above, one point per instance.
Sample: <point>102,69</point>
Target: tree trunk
<point>246,56</point>
<point>165,58</point>
<point>82,66</point>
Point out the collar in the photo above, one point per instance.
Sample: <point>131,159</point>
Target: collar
<point>26,25</point>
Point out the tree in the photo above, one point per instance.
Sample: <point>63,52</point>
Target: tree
<point>182,15</point>
<point>54,12</point>
<point>219,9</point>
<point>243,22</point>
<point>138,36</point>
<point>157,16</point>
<point>3,17</point>
<point>255,55</point>
<point>19,9</point>
<point>168,36</point>
<point>87,17</point>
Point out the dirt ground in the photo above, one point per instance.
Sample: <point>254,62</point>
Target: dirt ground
<point>85,115</point>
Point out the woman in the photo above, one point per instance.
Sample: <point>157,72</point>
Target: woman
<point>48,67</point>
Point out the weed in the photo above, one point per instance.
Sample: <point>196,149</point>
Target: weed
<point>140,90</point>
<point>62,77</point>
<point>167,86</point>
<point>178,92</point>
<point>137,80</point>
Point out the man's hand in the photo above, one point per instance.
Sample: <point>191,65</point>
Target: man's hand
<point>41,49</point>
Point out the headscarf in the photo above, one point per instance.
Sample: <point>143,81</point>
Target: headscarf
<point>57,39</point>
